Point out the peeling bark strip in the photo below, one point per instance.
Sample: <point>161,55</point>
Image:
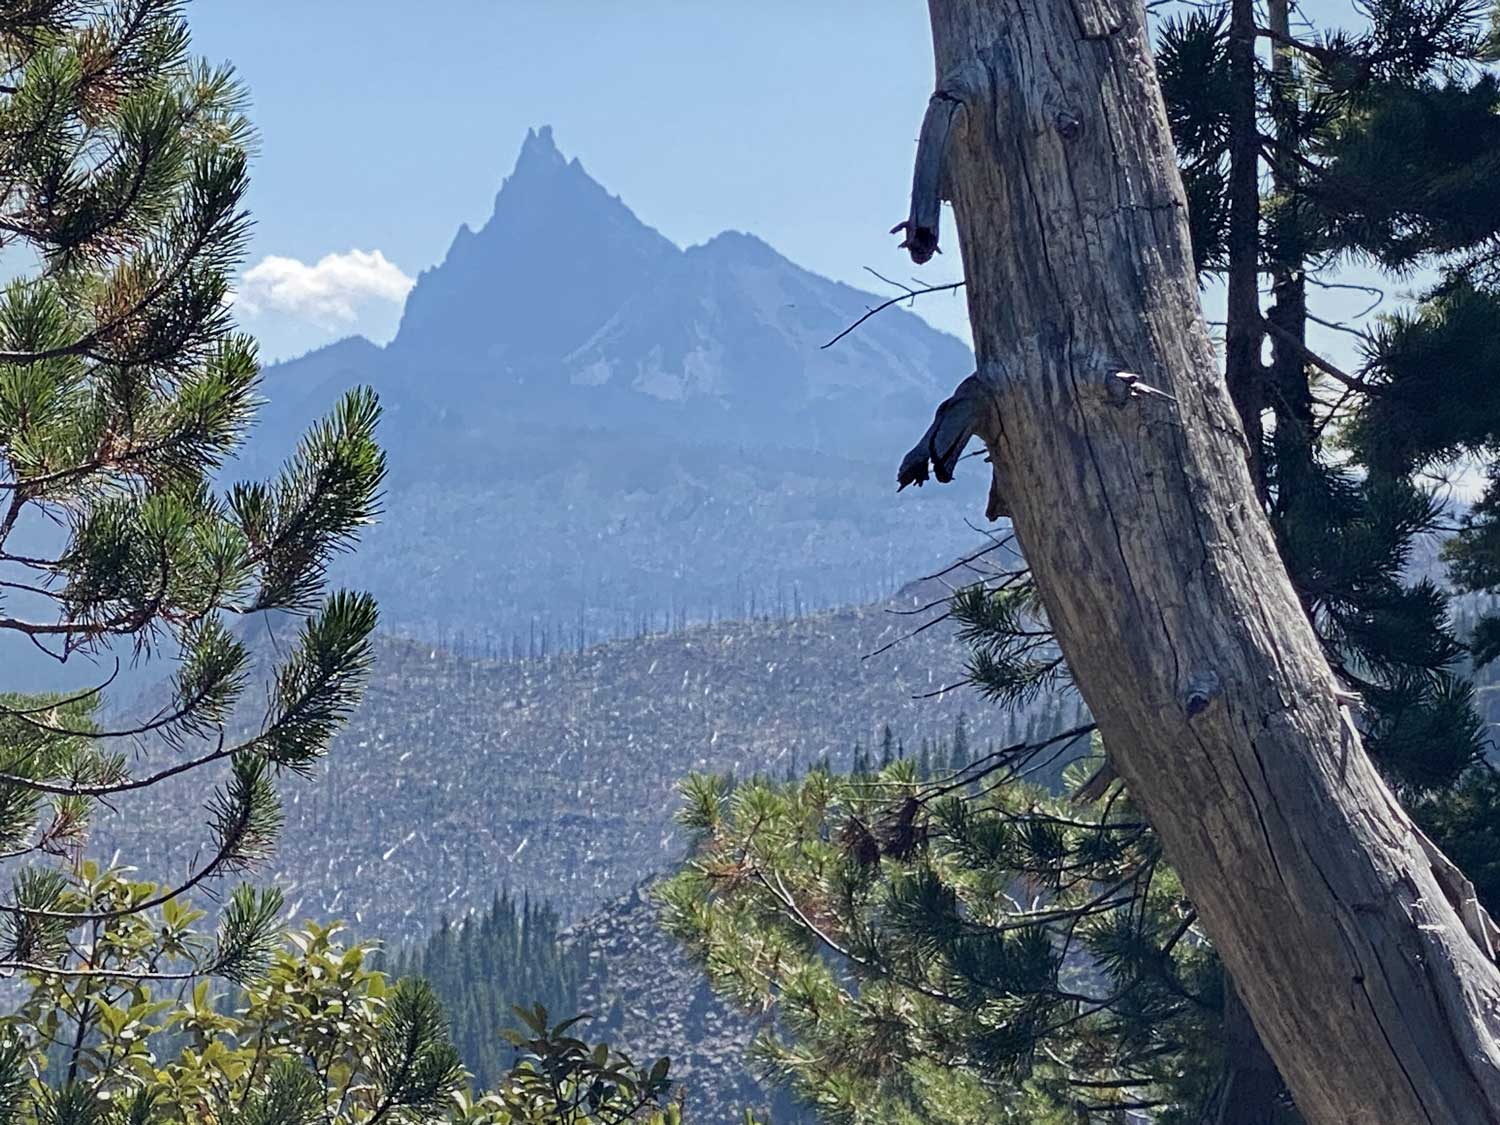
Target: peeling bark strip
<point>1138,516</point>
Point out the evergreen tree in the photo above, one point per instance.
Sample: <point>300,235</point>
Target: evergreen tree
<point>123,389</point>
<point>887,746</point>
<point>1380,143</point>
<point>958,750</point>
<point>909,981</point>
<point>861,760</point>
<point>488,965</point>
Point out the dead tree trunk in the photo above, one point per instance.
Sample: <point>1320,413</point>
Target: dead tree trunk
<point>1369,976</point>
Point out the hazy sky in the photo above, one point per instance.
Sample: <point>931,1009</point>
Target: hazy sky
<point>385,125</point>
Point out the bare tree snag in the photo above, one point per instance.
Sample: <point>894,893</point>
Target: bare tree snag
<point>1341,928</point>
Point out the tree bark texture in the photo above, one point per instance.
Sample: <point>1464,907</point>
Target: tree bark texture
<point>1119,454</point>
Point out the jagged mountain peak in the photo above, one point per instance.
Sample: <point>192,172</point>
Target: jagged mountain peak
<point>556,258</point>
<point>565,303</point>
<point>543,177</point>
<point>616,424</point>
<point>565,290</point>
<point>539,148</point>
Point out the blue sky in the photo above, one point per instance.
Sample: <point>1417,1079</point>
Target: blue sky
<point>385,125</point>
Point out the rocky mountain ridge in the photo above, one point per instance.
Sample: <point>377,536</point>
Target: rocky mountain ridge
<point>589,426</point>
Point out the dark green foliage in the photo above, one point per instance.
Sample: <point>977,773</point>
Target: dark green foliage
<point>412,1058</point>
<point>124,390</point>
<point>1434,369</point>
<point>1411,172</point>
<point>485,966</point>
<point>1006,959</point>
<point>292,1096</point>
<point>1467,819</point>
<point>1381,144</point>
<point>1013,658</point>
<point>564,1079</point>
<point>1192,63</point>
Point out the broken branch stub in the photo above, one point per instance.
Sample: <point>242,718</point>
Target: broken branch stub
<point>968,412</point>
<point>928,184</point>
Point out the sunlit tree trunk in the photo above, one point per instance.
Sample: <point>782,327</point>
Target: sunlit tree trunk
<point>1365,965</point>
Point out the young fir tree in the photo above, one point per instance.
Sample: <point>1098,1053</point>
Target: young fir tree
<point>486,966</point>
<point>861,759</point>
<point>958,749</point>
<point>991,934</point>
<point>887,746</point>
<point>123,389</point>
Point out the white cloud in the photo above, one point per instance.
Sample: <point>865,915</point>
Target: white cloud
<point>336,292</point>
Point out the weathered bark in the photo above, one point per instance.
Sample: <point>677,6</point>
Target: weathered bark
<point>1139,519</point>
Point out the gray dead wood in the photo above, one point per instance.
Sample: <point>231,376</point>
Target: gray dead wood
<point>1344,931</point>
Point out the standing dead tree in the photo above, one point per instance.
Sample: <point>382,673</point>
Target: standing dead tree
<point>1366,966</point>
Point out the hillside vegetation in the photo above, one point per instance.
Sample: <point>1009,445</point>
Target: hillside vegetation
<point>555,777</point>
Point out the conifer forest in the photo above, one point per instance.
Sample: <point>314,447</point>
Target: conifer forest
<point>476,653</point>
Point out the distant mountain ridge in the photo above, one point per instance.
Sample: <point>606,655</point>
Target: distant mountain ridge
<point>590,425</point>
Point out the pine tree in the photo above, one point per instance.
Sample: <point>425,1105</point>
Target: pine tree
<point>883,929</point>
<point>861,760</point>
<point>488,965</point>
<point>123,389</point>
<point>958,750</point>
<point>887,746</point>
<point>1381,145</point>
